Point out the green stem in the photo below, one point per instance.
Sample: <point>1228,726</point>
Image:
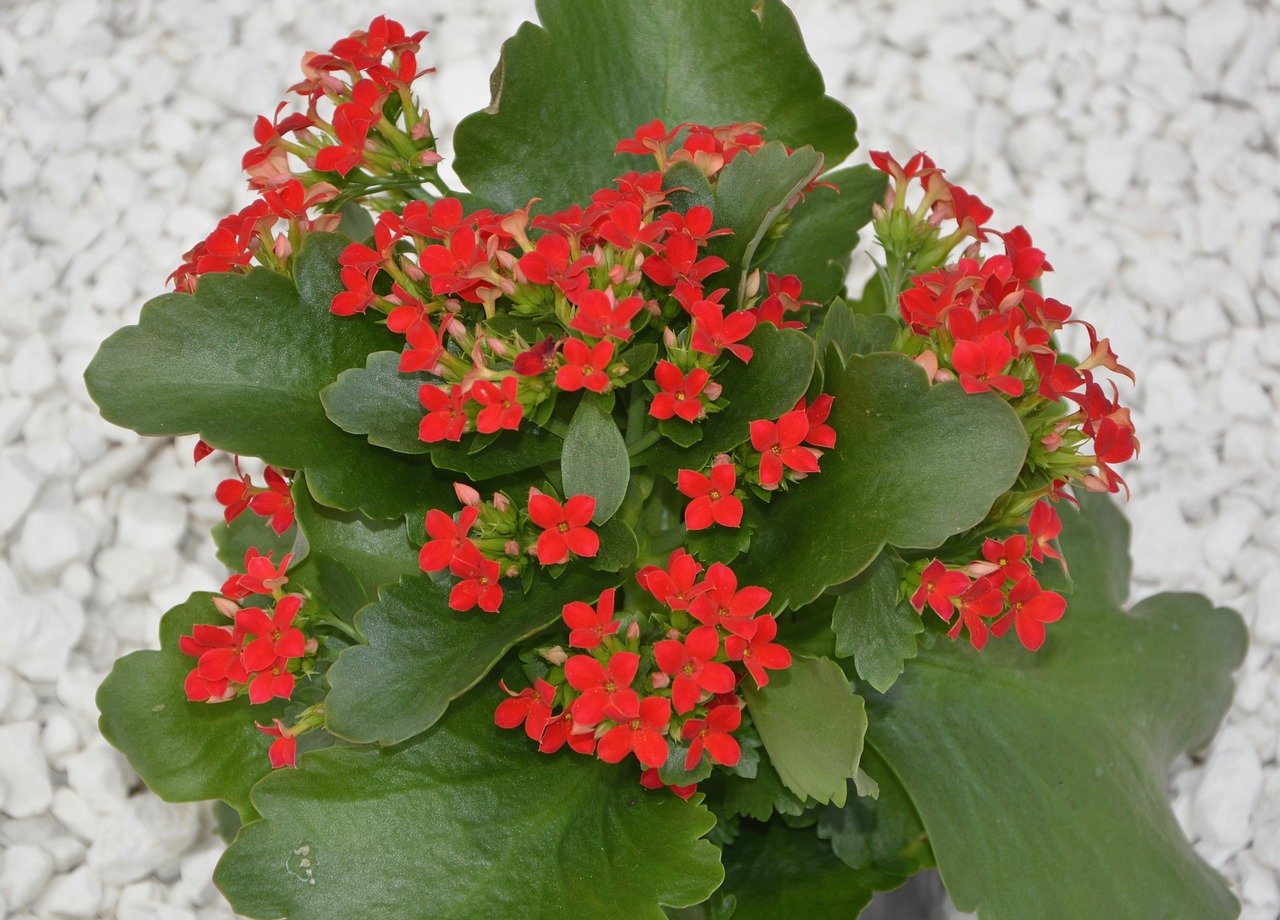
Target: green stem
<point>643,443</point>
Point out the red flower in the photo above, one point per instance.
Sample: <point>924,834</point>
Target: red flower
<point>713,498</point>
<point>600,317</point>
<point>548,263</point>
<point>1030,608</point>
<point>276,503</point>
<point>1006,556</point>
<point>820,434</point>
<point>757,650</point>
<point>588,626</point>
<point>585,367</point>
<point>712,734</point>
<point>720,603</point>
<point>650,779</point>
<point>561,729</point>
<point>276,641</point>
<point>980,600</point>
<point>479,584</point>
<point>284,750</point>
<point>779,444</point>
<point>533,362</point>
<point>937,587</point>
<point>690,663</point>
<point>445,419</point>
<point>979,365</point>
<point>501,410</point>
<point>219,665</point>
<point>532,706</point>
<point>565,527</point>
<point>680,392</point>
<point>599,685</point>
<point>640,729</point>
<point>260,576</point>
<point>1044,526</point>
<point>448,539</point>
<point>674,586</point>
<point>714,332</point>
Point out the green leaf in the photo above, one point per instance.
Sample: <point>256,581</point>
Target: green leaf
<point>712,62</point>
<point>1063,809</point>
<point>379,401</point>
<point>242,363</point>
<point>774,871</point>
<point>595,460</point>
<point>912,465</point>
<point>421,654</point>
<point>751,192</point>
<point>184,751</point>
<point>823,231</point>
<point>618,546</point>
<point>770,385</point>
<point>376,552</point>
<point>759,797</point>
<point>467,820</point>
<point>855,334</point>
<point>873,625</point>
<point>812,725</point>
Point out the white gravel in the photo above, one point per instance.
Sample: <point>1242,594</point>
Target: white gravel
<point>1136,138</point>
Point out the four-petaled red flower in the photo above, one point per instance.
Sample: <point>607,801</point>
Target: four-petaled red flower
<point>599,684</point>
<point>780,445</point>
<point>1030,607</point>
<point>722,604</point>
<point>676,585</point>
<point>680,395</point>
<point>937,588</point>
<point>447,538</point>
<point>274,641</point>
<point>501,409</point>
<point>564,526</point>
<point>640,728</point>
<point>587,625</point>
<point>261,575</point>
<point>712,734</point>
<point>479,581</point>
<point>600,317</point>
<point>713,498</point>
<point>284,750</point>
<point>585,367</point>
<point>276,503</point>
<point>690,664</point>
<point>979,365</point>
<point>445,419</point>
<point>532,706</point>
<point>757,651</point>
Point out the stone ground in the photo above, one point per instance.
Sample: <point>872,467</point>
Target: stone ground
<point>1137,139</point>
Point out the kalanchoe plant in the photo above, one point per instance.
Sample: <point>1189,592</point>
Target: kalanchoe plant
<point>609,558</point>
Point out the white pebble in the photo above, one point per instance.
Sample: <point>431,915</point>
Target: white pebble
<point>54,538</point>
<point>100,775</point>
<point>197,874</point>
<point>60,738</point>
<point>21,486</point>
<point>1266,626</point>
<point>26,871</point>
<point>74,814</point>
<point>1229,790</point>
<point>41,633</point>
<point>1213,32</point>
<point>132,572</point>
<point>32,369</point>
<point>67,852</point>
<point>23,771</point>
<point>72,896</point>
<point>150,521</point>
<point>140,837</point>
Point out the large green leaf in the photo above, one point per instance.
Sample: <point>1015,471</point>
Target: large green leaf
<point>421,654</point>
<point>242,363</point>
<point>751,193</point>
<point>823,231</point>
<point>595,458</point>
<point>913,464</point>
<point>379,401</point>
<point>874,625</point>
<point>184,751</point>
<point>812,725</point>
<point>567,91</point>
<point>770,385</point>
<point>467,820</point>
<point>1041,778</point>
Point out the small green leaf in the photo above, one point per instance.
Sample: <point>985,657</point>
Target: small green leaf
<point>762,795</point>
<point>467,820</point>
<point>595,460</point>
<point>912,465</point>
<point>854,333</point>
<point>823,231</point>
<point>618,546</point>
<point>713,62</point>
<point>184,751</point>
<point>1065,752</point>
<point>751,192</point>
<point>812,725</point>
<point>249,531</point>
<point>874,626</point>
<point>420,654</point>
<point>770,385</point>
<point>242,363</point>
<point>377,552</point>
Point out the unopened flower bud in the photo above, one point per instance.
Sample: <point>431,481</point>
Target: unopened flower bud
<point>555,655</point>
<point>310,647</point>
<point>753,284</point>
<point>428,157</point>
<point>712,391</point>
<point>658,680</point>
<point>512,549</point>
<point>668,337</point>
<point>466,494</point>
<point>226,606</point>
<point>500,501</point>
<point>633,630</point>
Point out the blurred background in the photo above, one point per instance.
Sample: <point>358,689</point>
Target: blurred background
<point>1136,139</point>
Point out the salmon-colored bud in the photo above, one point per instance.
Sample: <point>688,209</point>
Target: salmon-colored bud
<point>659,680</point>
<point>556,655</point>
<point>466,494</point>
<point>226,606</point>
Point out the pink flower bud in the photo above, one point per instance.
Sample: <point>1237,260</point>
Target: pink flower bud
<point>466,494</point>
<point>618,274</point>
<point>753,284</point>
<point>658,680</point>
<point>513,571</point>
<point>512,549</point>
<point>674,634</point>
<point>712,391</point>
<point>226,606</point>
<point>281,247</point>
<point>721,458</point>
<point>310,647</point>
<point>497,346</point>
<point>427,157</point>
<point>556,655</point>
<point>633,630</point>
<point>668,337</point>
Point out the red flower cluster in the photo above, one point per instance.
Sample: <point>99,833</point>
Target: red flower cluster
<point>273,501</point>
<point>1003,590</point>
<point>625,696</point>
